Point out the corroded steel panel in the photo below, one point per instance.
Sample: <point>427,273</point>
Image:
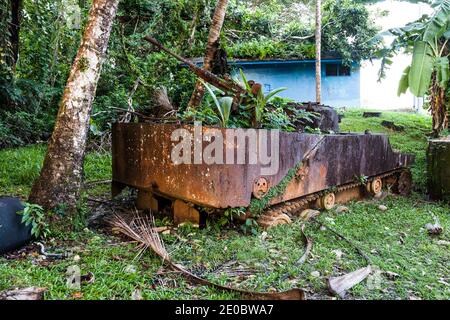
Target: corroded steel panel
<point>142,159</point>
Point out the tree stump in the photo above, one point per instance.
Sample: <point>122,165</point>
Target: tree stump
<point>438,159</point>
<point>391,125</point>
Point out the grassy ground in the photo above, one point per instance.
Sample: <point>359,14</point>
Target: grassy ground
<point>395,240</point>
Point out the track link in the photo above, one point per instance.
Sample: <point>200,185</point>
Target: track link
<point>283,212</point>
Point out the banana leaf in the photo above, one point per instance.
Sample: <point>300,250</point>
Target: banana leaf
<point>442,71</point>
<point>404,84</point>
<point>421,69</point>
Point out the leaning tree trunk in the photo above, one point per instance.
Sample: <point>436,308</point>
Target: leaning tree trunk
<point>318,37</point>
<point>211,49</point>
<point>437,106</point>
<point>61,176</point>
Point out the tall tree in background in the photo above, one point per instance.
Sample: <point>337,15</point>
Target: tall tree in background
<point>5,43</point>
<point>318,37</point>
<point>16,6</point>
<point>61,176</point>
<point>211,49</point>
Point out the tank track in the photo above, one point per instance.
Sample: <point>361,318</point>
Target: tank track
<point>281,213</point>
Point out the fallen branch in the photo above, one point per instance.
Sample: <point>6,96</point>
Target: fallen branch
<point>43,252</point>
<point>305,255</point>
<point>366,257</point>
<point>308,242</point>
<point>99,200</point>
<point>142,230</point>
<point>339,285</point>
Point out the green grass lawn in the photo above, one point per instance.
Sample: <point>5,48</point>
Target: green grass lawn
<point>395,240</point>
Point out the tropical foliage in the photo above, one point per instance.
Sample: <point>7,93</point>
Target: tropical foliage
<point>257,100</point>
<point>428,41</point>
<point>50,36</point>
<point>34,216</point>
<point>223,105</point>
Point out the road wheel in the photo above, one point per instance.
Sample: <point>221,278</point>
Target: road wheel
<point>327,201</point>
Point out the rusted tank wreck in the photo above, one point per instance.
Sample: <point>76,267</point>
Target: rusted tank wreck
<point>311,169</point>
<point>270,174</point>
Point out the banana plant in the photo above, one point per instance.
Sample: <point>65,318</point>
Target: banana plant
<point>428,40</point>
<point>223,105</point>
<point>258,100</point>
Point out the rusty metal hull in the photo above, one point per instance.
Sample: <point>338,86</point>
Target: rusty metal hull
<point>142,159</point>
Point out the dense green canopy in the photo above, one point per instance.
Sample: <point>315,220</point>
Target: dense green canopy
<point>51,29</point>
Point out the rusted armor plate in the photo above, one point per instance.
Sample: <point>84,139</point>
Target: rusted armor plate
<point>142,158</point>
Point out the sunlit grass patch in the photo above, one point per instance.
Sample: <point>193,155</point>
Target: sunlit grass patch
<point>395,240</point>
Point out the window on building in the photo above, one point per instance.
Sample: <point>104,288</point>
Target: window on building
<point>336,69</point>
<point>344,70</point>
<point>331,69</point>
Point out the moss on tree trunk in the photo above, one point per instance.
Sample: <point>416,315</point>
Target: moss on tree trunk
<point>61,175</point>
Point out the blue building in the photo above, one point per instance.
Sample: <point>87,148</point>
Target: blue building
<point>340,84</point>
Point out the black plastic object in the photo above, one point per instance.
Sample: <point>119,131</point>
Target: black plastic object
<point>13,233</point>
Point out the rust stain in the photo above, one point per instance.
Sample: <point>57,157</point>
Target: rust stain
<point>141,156</point>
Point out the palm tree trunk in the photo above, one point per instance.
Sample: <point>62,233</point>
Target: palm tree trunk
<point>61,175</point>
<point>438,108</point>
<point>318,49</point>
<point>211,49</point>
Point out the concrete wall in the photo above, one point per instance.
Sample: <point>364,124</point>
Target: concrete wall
<point>299,78</point>
<point>383,95</point>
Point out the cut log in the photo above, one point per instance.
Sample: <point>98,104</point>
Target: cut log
<point>371,114</point>
<point>438,158</point>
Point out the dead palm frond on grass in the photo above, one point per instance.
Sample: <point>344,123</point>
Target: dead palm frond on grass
<point>143,230</point>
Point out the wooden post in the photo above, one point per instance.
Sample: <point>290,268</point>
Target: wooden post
<point>318,48</point>
<point>438,158</point>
